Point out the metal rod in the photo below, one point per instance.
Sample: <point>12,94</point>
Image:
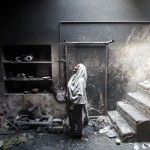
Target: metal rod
<point>3,125</point>
<point>11,123</point>
<point>59,54</point>
<point>106,80</point>
<point>103,22</point>
<point>107,42</point>
<point>66,78</point>
<point>66,69</point>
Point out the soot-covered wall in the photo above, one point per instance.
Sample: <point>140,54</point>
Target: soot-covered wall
<point>128,55</point>
<point>37,22</point>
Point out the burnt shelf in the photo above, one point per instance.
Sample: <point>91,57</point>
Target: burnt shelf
<point>39,52</point>
<point>23,62</point>
<point>40,66</point>
<point>26,79</point>
<point>22,86</point>
<point>8,94</point>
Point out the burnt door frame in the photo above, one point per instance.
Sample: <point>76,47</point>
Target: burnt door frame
<point>106,44</point>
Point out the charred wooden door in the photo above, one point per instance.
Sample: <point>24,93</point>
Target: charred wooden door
<point>94,57</point>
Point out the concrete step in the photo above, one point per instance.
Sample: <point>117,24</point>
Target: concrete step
<point>140,101</point>
<point>145,85</point>
<point>144,88</point>
<point>133,116</point>
<point>122,127</point>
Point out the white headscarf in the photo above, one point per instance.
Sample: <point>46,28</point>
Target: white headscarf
<point>74,83</point>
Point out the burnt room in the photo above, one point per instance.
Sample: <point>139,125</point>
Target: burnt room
<point>74,74</point>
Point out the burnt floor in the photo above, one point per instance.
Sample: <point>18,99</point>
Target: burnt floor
<point>59,141</point>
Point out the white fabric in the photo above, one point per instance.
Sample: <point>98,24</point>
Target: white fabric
<point>77,86</point>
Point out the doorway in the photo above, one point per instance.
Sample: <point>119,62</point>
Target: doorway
<point>94,57</point>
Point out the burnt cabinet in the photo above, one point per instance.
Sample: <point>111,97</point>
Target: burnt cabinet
<point>26,68</point>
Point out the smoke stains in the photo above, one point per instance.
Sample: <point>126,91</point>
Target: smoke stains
<point>139,33</point>
<point>129,63</point>
<point>117,83</point>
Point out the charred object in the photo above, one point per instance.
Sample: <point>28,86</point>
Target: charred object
<point>33,119</point>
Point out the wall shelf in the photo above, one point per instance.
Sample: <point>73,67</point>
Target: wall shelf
<point>20,94</point>
<point>31,62</point>
<point>16,73</point>
<point>27,79</point>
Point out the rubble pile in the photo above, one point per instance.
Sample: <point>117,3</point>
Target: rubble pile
<point>32,119</point>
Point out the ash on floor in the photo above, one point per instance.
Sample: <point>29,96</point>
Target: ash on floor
<point>94,139</point>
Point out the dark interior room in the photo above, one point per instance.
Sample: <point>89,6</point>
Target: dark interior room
<point>74,74</point>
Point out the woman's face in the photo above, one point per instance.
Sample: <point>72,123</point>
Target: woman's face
<point>76,68</point>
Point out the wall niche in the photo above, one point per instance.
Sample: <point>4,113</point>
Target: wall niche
<point>27,69</point>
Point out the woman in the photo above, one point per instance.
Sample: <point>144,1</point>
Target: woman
<point>78,114</point>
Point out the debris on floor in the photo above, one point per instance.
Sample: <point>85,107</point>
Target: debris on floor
<point>111,133</point>
<point>103,125</point>
<point>9,142</point>
<point>145,146</point>
<point>32,119</point>
<point>118,141</point>
<point>1,143</point>
<point>136,147</point>
<point>98,134</point>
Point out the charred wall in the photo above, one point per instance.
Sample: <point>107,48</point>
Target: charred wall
<point>128,55</point>
<point>129,61</point>
<point>37,22</point>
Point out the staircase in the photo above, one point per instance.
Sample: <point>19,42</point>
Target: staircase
<point>131,119</point>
